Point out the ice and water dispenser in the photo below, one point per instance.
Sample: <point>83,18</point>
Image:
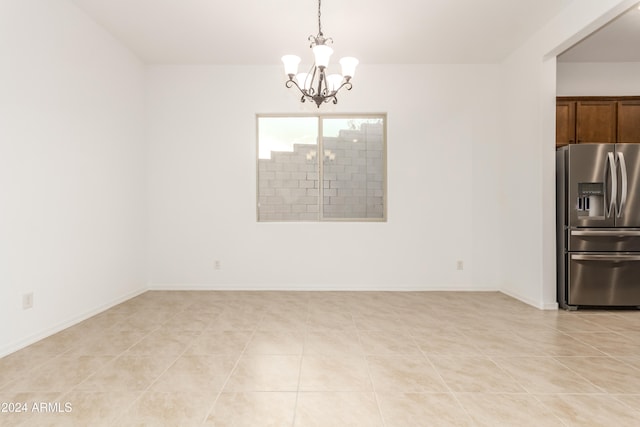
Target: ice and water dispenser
<point>590,199</point>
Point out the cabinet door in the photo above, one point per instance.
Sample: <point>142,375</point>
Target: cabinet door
<point>596,121</point>
<point>629,121</point>
<point>565,123</point>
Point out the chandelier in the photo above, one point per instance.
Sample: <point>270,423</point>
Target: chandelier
<point>316,85</point>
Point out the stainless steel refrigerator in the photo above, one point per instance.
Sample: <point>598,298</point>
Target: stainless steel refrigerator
<point>598,225</point>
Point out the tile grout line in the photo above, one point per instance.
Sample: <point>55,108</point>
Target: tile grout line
<point>524,387</point>
<point>545,406</point>
<point>433,366</point>
<point>231,372</point>
<point>304,345</point>
<point>559,360</point>
<point>148,389</point>
<point>142,393</point>
<point>366,361</point>
<point>157,328</point>
<point>60,395</point>
<point>604,353</point>
<point>105,365</point>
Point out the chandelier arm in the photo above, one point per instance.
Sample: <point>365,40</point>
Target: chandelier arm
<point>326,99</point>
<point>290,83</point>
<point>348,85</point>
<point>331,98</point>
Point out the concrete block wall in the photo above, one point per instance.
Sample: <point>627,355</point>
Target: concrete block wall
<point>353,186</point>
<point>288,188</point>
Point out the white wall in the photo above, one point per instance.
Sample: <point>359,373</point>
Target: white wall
<point>72,169</point>
<point>528,138</point>
<point>470,165</point>
<point>442,176</point>
<point>598,79</point>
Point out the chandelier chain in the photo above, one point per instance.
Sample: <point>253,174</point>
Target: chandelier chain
<point>319,23</point>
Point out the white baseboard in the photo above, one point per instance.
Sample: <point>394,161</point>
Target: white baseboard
<point>550,306</point>
<point>317,288</point>
<point>348,288</point>
<point>15,346</point>
<point>537,304</point>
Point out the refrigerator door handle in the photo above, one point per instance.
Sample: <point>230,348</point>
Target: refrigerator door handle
<point>606,233</point>
<point>610,165</point>
<point>623,189</point>
<point>614,258</point>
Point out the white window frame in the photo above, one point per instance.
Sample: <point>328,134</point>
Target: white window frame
<point>320,117</point>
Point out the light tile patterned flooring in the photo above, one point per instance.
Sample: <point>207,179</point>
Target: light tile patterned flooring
<point>332,359</point>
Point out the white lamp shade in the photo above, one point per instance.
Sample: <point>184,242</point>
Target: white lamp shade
<point>348,64</point>
<point>334,81</point>
<point>322,53</point>
<point>290,64</point>
<point>304,80</point>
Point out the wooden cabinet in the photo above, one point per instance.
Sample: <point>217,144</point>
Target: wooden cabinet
<point>565,123</point>
<point>597,119</point>
<point>629,121</point>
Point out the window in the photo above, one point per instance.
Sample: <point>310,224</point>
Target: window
<point>322,168</point>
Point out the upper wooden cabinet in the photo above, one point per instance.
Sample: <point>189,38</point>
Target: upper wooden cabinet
<point>565,123</point>
<point>629,121</point>
<point>597,119</point>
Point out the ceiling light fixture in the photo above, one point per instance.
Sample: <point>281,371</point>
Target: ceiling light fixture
<point>316,85</point>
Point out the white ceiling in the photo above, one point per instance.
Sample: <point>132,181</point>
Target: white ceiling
<point>258,32</point>
<point>618,41</point>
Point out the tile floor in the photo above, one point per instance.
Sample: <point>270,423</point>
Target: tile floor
<point>330,359</point>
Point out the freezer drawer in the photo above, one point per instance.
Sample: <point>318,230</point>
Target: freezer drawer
<point>604,240</point>
<point>604,279</point>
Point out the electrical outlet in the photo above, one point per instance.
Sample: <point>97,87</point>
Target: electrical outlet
<point>460,265</point>
<point>27,301</point>
<point>217,265</point>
